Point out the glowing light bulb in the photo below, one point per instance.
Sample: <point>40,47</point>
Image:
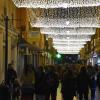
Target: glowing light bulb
<point>67,22</point>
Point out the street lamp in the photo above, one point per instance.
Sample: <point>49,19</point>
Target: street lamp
<point>58,55</point>
<point>6,46</point>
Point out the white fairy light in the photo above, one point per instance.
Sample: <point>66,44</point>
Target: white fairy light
<point>70,42</point>
<point>68,31</point>
<point>58,48</point>
<point>70,17</point>
<point>55,3</point>
<point>65,40</point>
<point>71,52</point>
<point>68,52</point>
<point>68,37</point>
<point>67,22</point>
<point>68,47</point>
<point>74,23</point>
<point>55,45</point>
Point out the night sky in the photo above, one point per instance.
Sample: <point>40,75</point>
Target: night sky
<point>67,58</point>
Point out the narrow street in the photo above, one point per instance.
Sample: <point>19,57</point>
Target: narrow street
<point>43,42</point>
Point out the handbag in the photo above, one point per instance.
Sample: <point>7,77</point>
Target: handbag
<point>27,89</point>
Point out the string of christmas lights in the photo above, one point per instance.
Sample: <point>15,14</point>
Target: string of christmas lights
<point>69,22</point>
<point>71,17</point>
<point>68,31</point>
<point>69,36</point>
<point>55,3</point>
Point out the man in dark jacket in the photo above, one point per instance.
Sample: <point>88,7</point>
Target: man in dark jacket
<point>52,83</point>
<point>68,85</point>
<point>40,85</point>
<point>83,84</point>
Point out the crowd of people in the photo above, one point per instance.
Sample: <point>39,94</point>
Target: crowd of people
<point>43,81</point>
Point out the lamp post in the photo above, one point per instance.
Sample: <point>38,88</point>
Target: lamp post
<point>6,46</point>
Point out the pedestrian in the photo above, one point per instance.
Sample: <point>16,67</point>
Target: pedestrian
<point>68,85</point>
<point>98,78</point>
<point>27,83</point>
<point>52,82</point>
<point>83,84</point>
<point>10,79</point>
<point>11,74</point>
<point>92,81</point>
<point>40,84</point>
<point>92,86</point>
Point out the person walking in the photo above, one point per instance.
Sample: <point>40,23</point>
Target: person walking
<point>83,84</point>
<point>27,83</point>
<point>11,77</point>
<point>68,85</point>
<point>98,79</point>
<point>52,82</point>
<point>40,85</point>
<point>11,74</point>
<point>92,81</point>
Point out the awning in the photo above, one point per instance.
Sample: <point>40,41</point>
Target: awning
<point>24,44</point>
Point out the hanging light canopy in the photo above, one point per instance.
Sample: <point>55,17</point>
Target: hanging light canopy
<point>68,44</point>
<point>55,3</point>
<point>65,40</point>
<point>69,22</point>
<point>73,22</point>
<point>68,52</point>
<point>70,17</point>
<point>68,31</point>
<point>69,36</point>
<point>68,47</point>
